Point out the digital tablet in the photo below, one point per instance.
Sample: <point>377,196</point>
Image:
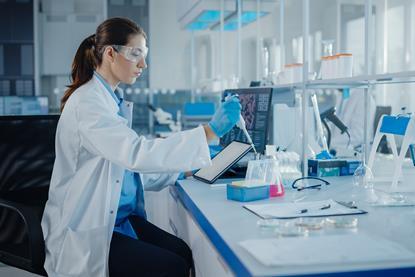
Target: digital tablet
<point>230,155</point>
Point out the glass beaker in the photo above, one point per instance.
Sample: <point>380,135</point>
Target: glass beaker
<point>327,47</point>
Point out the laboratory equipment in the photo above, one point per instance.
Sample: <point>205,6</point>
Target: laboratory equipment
<point>288,166</point>
<point>241,124</point>
<point>332,167</point>
<point>255,111</point>
<point>290,229</point>
<point>276,186</point>
<point>265,172</point>
<point>310,223</point>
<point>363,182</point>
<point>163,117</point>
<point>330,114</point>
<point>327,47</point>
<point>343,222</point>
<point>244,193</point>
<point>325,152</point>
<point>282,228</point>
<point>344,65</point>
<point>265,62</point>
<point>286,129</point>
<point>391,126</point>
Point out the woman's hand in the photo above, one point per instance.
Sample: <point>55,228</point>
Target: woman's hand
<point>226,116</point>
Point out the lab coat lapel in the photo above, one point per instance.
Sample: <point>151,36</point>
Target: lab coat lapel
<point>126,111</point>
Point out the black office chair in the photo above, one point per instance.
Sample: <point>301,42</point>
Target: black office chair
<point>27,154</point>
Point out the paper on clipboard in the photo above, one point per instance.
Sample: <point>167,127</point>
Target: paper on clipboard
<point>302,209</point>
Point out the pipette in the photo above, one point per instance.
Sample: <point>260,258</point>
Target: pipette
<point>242,125</point>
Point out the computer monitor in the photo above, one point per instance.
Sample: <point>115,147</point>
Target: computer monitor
<point>256,104</point>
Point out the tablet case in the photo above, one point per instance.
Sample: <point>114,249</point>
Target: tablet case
<point>227,167</point>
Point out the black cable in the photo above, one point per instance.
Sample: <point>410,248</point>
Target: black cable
<point>350,139</point>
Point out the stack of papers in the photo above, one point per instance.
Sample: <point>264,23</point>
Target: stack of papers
<point>302,209</point>
<point>351,248</point>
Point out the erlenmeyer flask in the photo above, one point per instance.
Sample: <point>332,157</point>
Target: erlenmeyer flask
<point>363,181</point>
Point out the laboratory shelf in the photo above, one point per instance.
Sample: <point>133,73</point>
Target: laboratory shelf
<point>393,78</point>
<point>288,86</point>
<point>338,83</point>
<point>363,81</point>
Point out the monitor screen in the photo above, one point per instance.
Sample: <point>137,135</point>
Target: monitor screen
<point>256,103</point>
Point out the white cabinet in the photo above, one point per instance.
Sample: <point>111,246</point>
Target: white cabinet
<point>208,262</point>
<point>157,207</point>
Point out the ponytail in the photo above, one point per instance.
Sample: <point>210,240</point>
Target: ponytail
<point>83,67</point>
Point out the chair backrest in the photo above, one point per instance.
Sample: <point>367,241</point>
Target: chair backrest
<point>27,155</point>
<point>380,110</point>
<point>27,151</point>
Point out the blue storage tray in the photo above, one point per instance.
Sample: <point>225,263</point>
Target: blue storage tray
<point>245,194</point>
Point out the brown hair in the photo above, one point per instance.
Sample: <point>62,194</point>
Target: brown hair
<point>113,31</point>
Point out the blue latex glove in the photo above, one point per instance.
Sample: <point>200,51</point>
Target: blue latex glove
<point>226,116</point>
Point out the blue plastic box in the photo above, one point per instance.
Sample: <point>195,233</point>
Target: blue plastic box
<point>334,167</point>
<point>245,194</point>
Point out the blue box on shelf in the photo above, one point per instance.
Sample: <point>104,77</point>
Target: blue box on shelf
<point>245,194</point>
<point>334,167</point>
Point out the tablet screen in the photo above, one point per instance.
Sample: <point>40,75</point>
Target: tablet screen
<point>223,161</point>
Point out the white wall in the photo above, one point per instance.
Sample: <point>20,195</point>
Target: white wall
<point>169,47</point>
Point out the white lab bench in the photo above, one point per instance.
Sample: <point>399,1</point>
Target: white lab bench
<point>213,226</point>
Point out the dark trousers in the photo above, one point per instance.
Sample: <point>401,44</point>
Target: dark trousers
<point>155,253</point>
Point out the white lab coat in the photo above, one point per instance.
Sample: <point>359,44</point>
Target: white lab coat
<point>351,112</point>
<point>94,145</point>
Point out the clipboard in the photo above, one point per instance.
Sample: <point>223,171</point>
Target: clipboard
<point>224,160</point>
<point>303,209</point>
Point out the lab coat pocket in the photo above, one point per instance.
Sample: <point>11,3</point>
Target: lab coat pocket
<point>83,252</point>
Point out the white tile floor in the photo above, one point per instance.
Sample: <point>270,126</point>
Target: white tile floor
<point>7,271</point>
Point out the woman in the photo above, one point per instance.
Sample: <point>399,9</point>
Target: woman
<point>93,223</point>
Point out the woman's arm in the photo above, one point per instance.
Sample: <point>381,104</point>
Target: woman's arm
<point>210,135</point>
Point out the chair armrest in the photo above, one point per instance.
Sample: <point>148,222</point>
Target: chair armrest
<point>34,230</point>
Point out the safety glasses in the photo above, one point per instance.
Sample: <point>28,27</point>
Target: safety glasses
<point>308,182</point>
<point>133,54</point>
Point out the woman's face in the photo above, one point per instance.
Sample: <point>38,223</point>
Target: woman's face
<point>129,62</point>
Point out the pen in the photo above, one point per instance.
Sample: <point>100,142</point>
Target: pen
<point>325,207</point>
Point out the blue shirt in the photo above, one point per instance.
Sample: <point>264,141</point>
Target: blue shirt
<point>132,193</point>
